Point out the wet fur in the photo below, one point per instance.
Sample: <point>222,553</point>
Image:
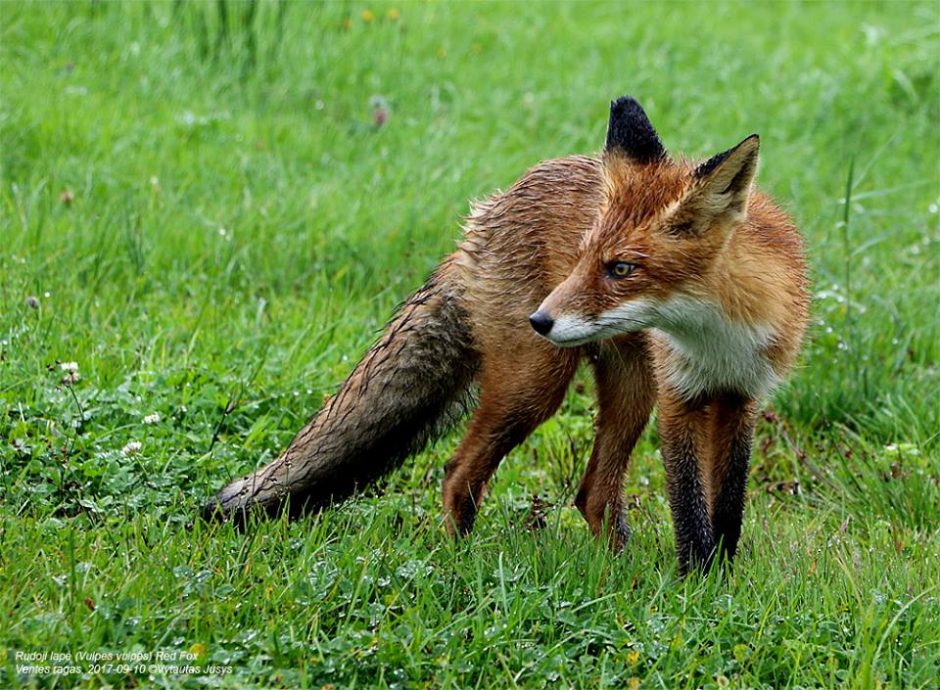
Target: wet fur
<point>541,242</point>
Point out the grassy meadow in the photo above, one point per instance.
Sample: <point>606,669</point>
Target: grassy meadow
<point>202,227</point>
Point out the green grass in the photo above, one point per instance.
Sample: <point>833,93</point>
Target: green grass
<point>210,226</point>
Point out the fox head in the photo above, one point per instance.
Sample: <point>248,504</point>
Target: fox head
<point>661,227</point>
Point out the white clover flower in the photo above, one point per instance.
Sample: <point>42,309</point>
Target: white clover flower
<point>70,378</point>
<point>132,448</point>
<point>71,373</point>
<point>152,418</point>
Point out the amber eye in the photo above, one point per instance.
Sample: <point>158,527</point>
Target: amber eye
<point>620,269</point>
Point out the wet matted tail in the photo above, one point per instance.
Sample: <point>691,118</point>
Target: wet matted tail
<point>407,390</point>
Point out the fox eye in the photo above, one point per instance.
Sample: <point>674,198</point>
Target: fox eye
<point>620,269</point>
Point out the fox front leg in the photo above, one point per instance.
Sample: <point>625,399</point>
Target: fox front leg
<point>732,433</point>
<point>626,393</point>
<point>682,430</point>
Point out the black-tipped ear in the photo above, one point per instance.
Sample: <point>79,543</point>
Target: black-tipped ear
<point>703,170</point>
<point>725,179</point>
<point>630,132</point>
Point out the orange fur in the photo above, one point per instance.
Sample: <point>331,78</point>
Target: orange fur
<point>705,316</point>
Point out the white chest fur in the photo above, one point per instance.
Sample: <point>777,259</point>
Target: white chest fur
<point>706,352</point>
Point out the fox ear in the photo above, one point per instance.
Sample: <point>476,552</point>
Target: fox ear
<point>630,132</point>
<point>724,181</point>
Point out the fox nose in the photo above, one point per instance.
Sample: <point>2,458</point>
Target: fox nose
<point>541,322</point>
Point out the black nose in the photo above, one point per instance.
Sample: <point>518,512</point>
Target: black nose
<point>541,322</point>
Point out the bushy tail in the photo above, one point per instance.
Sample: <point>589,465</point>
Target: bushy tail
<point>404,392</point>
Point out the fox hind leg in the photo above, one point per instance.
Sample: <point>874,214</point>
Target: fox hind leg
<point>517,394</point>
<point>626,393</point>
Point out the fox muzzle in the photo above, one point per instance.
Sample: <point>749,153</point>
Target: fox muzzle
<point>542,322</point>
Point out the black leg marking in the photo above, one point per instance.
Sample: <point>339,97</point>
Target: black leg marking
<point>695,542</point>
<point>728,507</point>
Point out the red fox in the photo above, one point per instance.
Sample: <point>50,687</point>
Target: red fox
<point>682,286</point>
